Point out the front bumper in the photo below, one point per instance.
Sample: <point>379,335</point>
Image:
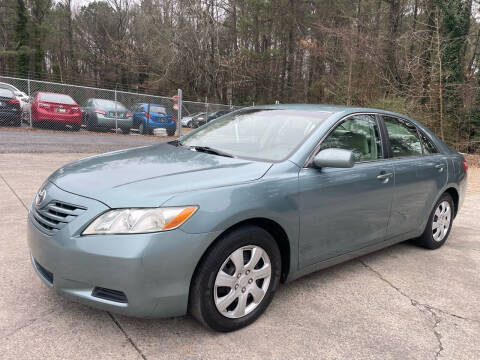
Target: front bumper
<point>152,270</point>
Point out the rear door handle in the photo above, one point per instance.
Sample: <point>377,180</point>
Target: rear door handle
<point>439,167</point>
<point>384,176</point>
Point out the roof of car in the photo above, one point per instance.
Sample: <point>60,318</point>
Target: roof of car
<point>151,104</point>
<point>3,85</point>
<point>325,108</point>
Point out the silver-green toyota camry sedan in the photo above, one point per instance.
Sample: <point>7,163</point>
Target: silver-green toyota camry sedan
<point>211,223</point>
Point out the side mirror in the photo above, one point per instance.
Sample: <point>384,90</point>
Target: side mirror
<point>336,158</point>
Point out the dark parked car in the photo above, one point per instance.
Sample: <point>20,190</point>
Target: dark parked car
<point>106,114</point>
<point>53,109</point>
<point>148,117</point>
<point>10,112</point>
<point>202,119</point>
<point>211,223</point>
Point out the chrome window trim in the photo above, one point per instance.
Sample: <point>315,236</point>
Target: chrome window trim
<point>308,161</point>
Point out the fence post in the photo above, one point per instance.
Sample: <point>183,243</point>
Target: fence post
<point>206,109</point>
<point>116,121</point>
<point>179,114</point>
<point>29,100</point>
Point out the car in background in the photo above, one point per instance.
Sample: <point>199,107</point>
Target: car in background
<point>10,112</point>
<point>106,114</point>
<point>19,95</point>
<point>203,119</point>
<point>50,109</point>
<point>147,117</point>
<point>187,120</point>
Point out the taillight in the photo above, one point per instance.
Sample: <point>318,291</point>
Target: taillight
<point>173,118</point>
<point>13,101</point>
<point>44,105</point>
<point>148,116</point>
<point>128,114</point>
<point>98,111</point>
<point>465,165</point>
<point>75,109</point>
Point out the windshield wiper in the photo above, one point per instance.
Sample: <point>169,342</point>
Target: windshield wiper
<point>209,150</point>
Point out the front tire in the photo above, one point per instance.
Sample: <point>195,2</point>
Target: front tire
<point>439,224</point>
<point>236,280</point>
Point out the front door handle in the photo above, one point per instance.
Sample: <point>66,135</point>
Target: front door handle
<point>384,176</point>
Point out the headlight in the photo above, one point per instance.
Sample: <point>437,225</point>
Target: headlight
<point>142,220</point>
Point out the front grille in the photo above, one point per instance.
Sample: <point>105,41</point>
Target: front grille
<point>47,275</point>
<point>55,215</point>
<point>109,294</point>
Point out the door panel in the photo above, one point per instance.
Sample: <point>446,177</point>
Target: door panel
<point>343,209</point>
<point>418,178</point>
<point>418,182</point>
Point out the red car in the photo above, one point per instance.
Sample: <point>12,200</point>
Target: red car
<point>55,109</point>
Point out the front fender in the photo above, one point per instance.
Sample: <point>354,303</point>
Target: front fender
<point>273,197</point>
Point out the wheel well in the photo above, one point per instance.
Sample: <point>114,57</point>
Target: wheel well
<point>454,194</point>
<point>277,233</point>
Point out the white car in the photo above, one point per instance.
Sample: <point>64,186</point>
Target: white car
<point>19,95</point>
<point>187,120</point>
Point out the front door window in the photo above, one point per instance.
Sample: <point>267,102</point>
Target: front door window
<point>358,133</point>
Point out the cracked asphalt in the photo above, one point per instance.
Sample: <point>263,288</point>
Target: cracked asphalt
<point>403,302</point>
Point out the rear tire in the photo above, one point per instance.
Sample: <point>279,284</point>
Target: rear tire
<point>219,306</point>
<point>439,224</point>
<point>171,132</point>
<point>75,127</point>
<point>89,123</point>
<point>126,131</point>
<point>142,129</point>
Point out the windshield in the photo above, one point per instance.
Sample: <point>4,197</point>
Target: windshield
<point>265,134</point>
<point>57,98</point>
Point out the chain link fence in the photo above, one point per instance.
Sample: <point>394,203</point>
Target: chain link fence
<point>65,107</point>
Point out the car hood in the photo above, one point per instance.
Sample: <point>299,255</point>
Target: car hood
<point>148,176</point>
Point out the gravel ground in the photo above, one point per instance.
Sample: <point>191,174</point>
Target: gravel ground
<point>399,303</point>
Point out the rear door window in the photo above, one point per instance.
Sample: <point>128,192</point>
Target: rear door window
<point>428,146</point>
<point>403,135</point>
